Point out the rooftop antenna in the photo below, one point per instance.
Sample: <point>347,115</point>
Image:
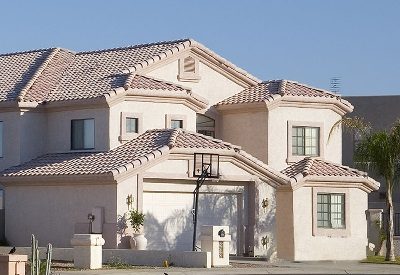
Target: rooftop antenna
<point>335,85</point>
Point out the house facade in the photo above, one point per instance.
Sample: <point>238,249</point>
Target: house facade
<point>112,130</point>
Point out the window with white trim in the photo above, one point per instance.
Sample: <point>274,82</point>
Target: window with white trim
<point>131,125</point>
<point>331,210</point>
<point>82,134</point>
<point>175,121</point>
<point>305,141</point>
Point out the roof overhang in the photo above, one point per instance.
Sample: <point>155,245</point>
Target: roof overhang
<point>338,105</point>
<point>366,183</point>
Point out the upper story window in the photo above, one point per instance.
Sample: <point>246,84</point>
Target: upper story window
<point>1,139</point>
<point>330,210</point>
<point>305,141</point>
<point>189,69</point>
<point>175,121</point>
<point>131,125</point>
<point>82,134</point>
<point>205,125</point>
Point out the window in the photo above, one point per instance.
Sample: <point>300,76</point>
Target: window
<point>304,138</point>
<point>305,141</point>
<point>189,69</point>
<point>330,210</point>
<point>132,125</point>
<point>82,134</point>
<point>176,123</point>
<point>205,125</point>
<point>1,139</point>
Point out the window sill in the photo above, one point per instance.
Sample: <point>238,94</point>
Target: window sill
<point>189,78</point>
<point>331,232</point>
<point>128,136</point>
<point>293,159</point>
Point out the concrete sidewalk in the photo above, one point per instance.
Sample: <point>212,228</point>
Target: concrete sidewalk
<point>259,267</point>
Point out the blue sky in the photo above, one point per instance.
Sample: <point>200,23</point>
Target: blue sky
<point>306,41</point>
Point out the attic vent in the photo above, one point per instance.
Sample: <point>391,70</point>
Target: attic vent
<point>189,65</point>
<point>189,69</point>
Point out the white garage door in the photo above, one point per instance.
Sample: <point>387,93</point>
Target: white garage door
<point>169,222</point>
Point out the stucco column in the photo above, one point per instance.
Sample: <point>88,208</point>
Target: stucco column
<point>374,226</point>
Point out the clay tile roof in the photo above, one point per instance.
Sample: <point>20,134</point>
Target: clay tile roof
<point>149,145</point>
<point>266,91</point>
<point>17,69</point>
<point>317,167</point>
<point>56,74</point>
<point>145,82</point>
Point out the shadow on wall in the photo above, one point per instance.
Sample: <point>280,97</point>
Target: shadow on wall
<point>175,232</point>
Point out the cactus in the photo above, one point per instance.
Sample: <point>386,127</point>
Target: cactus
<point>35,261</point>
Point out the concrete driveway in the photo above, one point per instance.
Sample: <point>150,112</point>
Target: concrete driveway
<point>259,267</point>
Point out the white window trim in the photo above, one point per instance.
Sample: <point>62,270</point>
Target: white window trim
<point>186,76</point>
<point>124,136</point>
<point>290,157</point>
<point>169,117</point>
<point>331,232</point>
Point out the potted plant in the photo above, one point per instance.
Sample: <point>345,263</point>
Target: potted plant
<point>136,219</point>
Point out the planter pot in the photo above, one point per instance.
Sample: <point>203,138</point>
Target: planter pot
<point>138,242</point>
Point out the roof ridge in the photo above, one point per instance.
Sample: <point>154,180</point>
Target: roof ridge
<point>38,72</point>
<point>282,87</point>
<point>308,165</point>
<point>174,135</point>
<point>28,51</point>
<point>136,46</point>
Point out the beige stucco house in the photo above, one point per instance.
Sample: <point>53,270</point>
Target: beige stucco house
<point>88,131</point>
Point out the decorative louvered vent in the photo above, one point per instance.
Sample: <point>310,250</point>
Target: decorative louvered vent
<point>189,69</point>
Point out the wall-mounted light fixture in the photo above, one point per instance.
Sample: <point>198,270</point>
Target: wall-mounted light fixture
<point>264,203</point>
<point>129,201</point>
<point>265,241</point>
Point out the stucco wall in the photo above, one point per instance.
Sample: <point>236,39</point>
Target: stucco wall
<point>11,139</point>
<point>310,248</point>
<point>213,85</point>
<point>33,135</point>
<point>59,129</point>
<point>247,129</point>
<point>278,133</point>
<point>124,189</point>
<point>51,212</point>
<point>153,116</point>
<point>253,221</point>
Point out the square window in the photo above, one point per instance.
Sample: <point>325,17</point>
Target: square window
<point>82,134</point>
<point>176,123</point>
<point>132,125</point>
<point>305,141</point>
<point>330,210</point>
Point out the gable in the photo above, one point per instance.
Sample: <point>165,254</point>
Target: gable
<point>213,81</point>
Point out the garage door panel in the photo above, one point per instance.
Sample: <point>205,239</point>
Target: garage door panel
<point>169,222</point>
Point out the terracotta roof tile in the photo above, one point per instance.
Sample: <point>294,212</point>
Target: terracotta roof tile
<point>265,91</point>
<point>145,82</point>
<point>317,167</point>
<point>17,69</point>
<point>151,144</point>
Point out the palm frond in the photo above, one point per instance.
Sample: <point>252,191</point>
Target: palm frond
<point>351,124</point>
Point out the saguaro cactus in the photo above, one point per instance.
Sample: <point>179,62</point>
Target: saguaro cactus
<point>35,261</point>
